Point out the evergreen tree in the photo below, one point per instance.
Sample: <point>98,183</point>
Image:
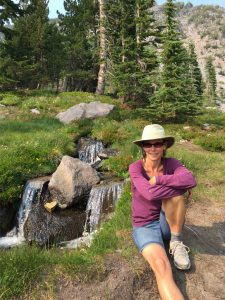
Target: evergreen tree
<point>195,70</point>
<point>211,83</point>
<point>26,58</point>
<point>79,27</point>
<point>195,84</point>
<point>8,10</point>
<point>174,95</point>
<point>132,53</point>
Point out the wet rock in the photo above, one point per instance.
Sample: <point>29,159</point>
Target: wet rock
<point>106,153</point>
<point>46,229</point>
<point>7,216</point>
<point>72,181</point>
<point>85,110</point>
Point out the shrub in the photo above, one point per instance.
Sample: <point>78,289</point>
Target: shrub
<point>9,99</point>
<point>215,142</point>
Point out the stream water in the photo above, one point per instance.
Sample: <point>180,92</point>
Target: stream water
<point>15,237</point>
<point>102,199</point>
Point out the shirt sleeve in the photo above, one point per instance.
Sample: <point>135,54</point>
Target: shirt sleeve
<point>182,178</point>
<point>151,192</point>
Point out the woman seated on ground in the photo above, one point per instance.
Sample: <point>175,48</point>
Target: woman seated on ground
<point>159,207</point>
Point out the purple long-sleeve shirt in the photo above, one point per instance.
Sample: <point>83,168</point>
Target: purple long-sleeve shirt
<point>146,198</point>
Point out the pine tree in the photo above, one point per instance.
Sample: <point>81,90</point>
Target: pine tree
<point>24,54</point>
<point>8,10</point>
<point>171,100</point>
<point>79,27</point>
<point>211,83</point>
<point>132,53</point>
<point>195,84</point>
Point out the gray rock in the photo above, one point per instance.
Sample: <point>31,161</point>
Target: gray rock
<point>35,111</point>
<point>72,181</point>
<point>85,110</point>
<point>46,229</point>
<point>106,153</point>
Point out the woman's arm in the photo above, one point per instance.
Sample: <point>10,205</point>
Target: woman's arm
<point>182,178</point>
<point>151,192</point>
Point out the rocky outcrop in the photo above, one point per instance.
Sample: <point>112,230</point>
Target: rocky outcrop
<point>85,110</point>
<point>72,182</point>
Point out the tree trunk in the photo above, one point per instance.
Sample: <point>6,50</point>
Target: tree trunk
<point>102,67</point>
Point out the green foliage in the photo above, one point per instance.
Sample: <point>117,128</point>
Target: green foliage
<point>133,60</point>
<point>79,27</point>
<point>179,91</point>
<point>36,145</point>
<point>211,82</point>
<point>212,142</point>
<point>32,55</point>
<point>9,99</point>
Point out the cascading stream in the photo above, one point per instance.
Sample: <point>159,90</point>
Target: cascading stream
<point>16,236</point>
<point>89,150</point>
<point>101,197</point>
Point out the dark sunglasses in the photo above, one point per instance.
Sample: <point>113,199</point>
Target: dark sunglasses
<point>155,145</point>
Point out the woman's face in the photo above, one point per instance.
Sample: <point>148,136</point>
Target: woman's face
<point>154,149</point>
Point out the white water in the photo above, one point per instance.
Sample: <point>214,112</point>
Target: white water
<point>98,196</point>
<point>90,152</point>
<point>16,236</point>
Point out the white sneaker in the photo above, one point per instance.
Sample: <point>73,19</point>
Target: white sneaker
<point>180,255</point>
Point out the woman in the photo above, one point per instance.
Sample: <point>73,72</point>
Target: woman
<point>159,207</point>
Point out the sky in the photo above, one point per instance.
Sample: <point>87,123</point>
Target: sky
<point>55,5</point>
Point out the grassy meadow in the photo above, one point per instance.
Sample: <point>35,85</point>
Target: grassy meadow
<point>32,145</point>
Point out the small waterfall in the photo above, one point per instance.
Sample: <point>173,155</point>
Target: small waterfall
<point>88,150</point>
<point>32,190</point>
<point>101,199</point>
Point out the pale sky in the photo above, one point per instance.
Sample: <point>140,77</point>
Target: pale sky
<point>55,5</point>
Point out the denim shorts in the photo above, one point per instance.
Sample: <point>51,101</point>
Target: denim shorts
<point>155,232</point>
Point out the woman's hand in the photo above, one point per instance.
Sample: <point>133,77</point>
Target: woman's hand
<point>152,181</point>
<point>189,195</point>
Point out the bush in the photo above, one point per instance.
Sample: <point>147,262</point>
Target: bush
<point>9,99</point>
<point>215,142</point>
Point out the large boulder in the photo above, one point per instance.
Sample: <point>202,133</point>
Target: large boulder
<point>72,182</point>
<point>46,229</point>
<point>85,110</point>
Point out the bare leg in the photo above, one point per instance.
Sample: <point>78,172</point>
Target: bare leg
<point>175,210</point>
<point>158,260</point>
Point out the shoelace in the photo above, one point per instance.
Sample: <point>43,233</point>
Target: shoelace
<point>180,248</point>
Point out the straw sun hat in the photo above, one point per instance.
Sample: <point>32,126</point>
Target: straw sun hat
<point>154,132</point>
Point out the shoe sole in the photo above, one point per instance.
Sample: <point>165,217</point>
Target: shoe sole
<point>182,268</point>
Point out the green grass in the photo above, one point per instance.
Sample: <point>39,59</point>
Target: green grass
<point>32,146</point>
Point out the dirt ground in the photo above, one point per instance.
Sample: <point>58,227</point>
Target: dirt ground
<point>204,233</point>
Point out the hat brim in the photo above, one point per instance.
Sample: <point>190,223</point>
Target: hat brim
<point>168,139</point>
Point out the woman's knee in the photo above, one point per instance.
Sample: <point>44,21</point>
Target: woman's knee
<point>158,260</point>
<point>161,267</point>
<point>174,201</point>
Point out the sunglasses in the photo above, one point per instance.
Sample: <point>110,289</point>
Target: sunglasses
<point>155,145</point>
